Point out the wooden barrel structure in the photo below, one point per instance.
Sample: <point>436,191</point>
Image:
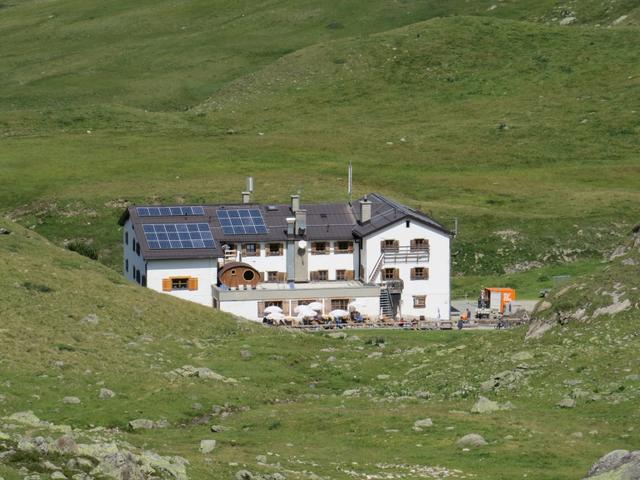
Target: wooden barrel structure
<point>239,274</point>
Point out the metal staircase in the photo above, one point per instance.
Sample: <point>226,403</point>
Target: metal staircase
<point>386,305</point>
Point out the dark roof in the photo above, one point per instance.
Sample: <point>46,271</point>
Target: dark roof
<point>385,212</point>
<point>325,221</point>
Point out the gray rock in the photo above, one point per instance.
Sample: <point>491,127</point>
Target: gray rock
<point>262,459</point>
<point>566,403</point>
<point>58,476</point>
<point>217,428</point>
<point>245,354</point>
<point>471,440</point>
<point>71,400</point>
<point>244,475</point>
<point>106,393</point>
<point>617,465</point>
<point>419,425</point>
<point>484,405</point>
<point>91,319</point>
<point>207,446</point>
<point>121,464</point>
<point>146,424</point>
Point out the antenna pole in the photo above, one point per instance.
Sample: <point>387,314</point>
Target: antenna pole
<point>350,187</point>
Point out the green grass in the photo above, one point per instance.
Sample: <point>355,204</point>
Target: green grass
<point>288,400</point>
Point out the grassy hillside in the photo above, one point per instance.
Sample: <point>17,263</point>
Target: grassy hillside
<point>312,405</point>
<point>524,130</point>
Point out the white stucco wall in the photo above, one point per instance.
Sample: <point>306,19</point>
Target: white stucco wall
<point>436,288</point>
<point>133,258</point>
<point>205,270</point>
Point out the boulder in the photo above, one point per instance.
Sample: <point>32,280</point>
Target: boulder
<point>616,465</point>
<point>566,403</point>
<point>471,440</point>
<point>419,425</point>
<point>244,475</point>
<point>146,424</point>
<point>217,428</point>
<point>71,400</point>
<point>106,393</point>
<point>207,446</point>
<point>484,405</point>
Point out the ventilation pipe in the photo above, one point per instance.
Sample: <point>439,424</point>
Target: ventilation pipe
<point>249,184</point>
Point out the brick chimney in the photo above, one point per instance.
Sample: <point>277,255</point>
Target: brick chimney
<point>365,210</point>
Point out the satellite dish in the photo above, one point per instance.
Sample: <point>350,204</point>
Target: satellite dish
<point>302,244</point>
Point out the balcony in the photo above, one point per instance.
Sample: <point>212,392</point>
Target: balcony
<point>399,254</point>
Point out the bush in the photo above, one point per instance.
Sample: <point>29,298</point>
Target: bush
<point>83,248</point>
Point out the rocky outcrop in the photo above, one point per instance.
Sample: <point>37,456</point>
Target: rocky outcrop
<point>616,465</point>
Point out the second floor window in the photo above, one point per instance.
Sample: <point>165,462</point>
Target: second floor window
<point>390,274</point>
<point>251,250</point>
<point>390,245</point>
<point>419,273</point>
<point>272,276</point>
<point>344,247</point>
<point>319,248</point>
<point>418,244</point>
<point>274,249</point>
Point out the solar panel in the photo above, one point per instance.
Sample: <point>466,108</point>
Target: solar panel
<point>242,221</point>
<point>162,236</point>
<point>179,211</point>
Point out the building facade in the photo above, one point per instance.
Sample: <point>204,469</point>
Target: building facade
<point>391,260</point>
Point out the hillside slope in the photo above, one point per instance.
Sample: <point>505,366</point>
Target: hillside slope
<point>302,405</point>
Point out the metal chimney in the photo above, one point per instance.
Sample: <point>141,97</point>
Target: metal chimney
<point>295,203</point>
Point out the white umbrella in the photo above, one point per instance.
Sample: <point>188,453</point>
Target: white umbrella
<point>307,313</point>
<point>317,306</point>
<point>303,308</point>
<point>273,309</point>
<point>276,316</point>
<point>339,313</point>
<point>357,305</point>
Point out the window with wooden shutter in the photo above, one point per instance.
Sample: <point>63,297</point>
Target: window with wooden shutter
<point>419,273</point>
<point>192,284</point>
<point>341,274</point>
<point>388,273</point>
<point>343,247</point>
<point>390,245</point>
<point>166,284</point>
<point>419,301</point>
<point>251,249</point>
<point>419,244</point>
<point>319,248</point>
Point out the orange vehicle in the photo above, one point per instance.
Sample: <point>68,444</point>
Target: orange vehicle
<point>494,301</point>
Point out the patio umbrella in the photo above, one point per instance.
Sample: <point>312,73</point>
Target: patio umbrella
<point>317,306</point>
<point>303,308</point>
<point>273,309</point>
<point>278,316</point>
<point>339,313</point>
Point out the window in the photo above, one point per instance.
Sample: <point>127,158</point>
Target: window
<point>272,276</point>
<point>344,247</point>
<point>248,275</point>
<point>390,274</point>
<point>138,248</point>
<point>419,301</point>
<point>390,245</point>
<point>419,273</point>
<point>126,265</point>
<point>319,276</point>
<point>341,274</point>
<point>339,304</point>
<point>408,224</point>
<point>419,244</point>
<point>251,250</point>
<point>133,244</point>
<point>138,276</point>
<point>274,249</point>
<point>319,248</point>
<point>126,238</point>
<point>180,283</point>
<point>144,281</point>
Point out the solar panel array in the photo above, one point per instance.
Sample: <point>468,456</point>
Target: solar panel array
<point>162,236</point>
<point>242,221</point>
<point>169,211</point>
